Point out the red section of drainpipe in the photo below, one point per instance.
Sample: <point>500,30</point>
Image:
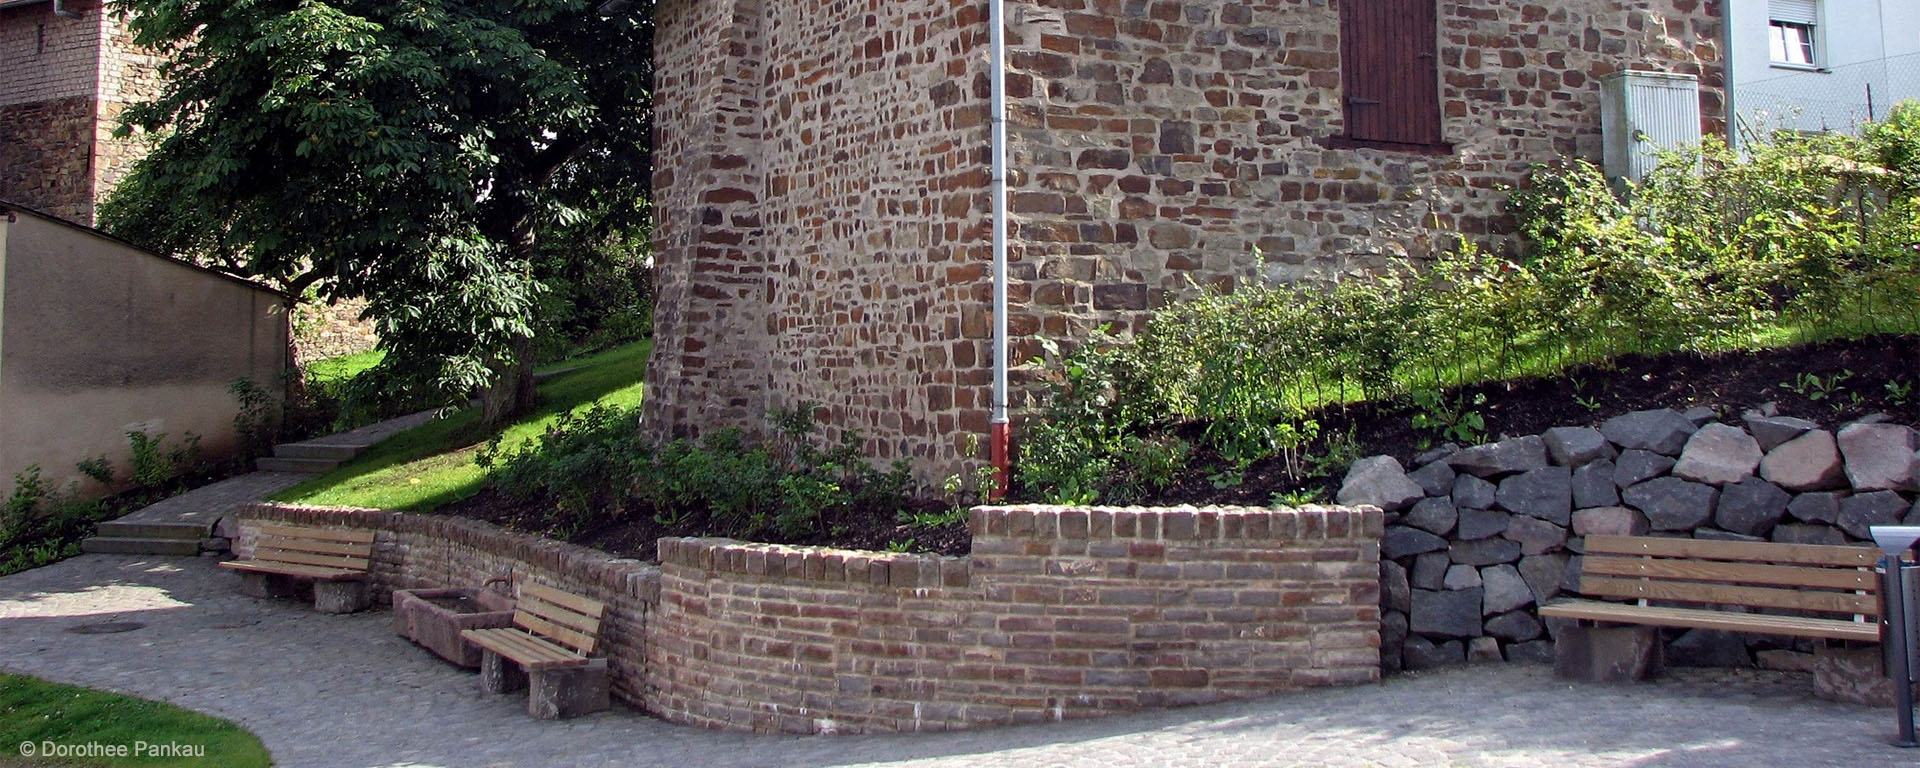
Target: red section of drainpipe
<point>1000,440</point>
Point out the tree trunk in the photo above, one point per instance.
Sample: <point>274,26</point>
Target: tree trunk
<point>512,393</point>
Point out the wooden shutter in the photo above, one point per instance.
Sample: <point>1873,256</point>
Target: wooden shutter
<point>1391,70</point>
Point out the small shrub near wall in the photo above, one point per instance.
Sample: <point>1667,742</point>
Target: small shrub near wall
<point>1478,538</point>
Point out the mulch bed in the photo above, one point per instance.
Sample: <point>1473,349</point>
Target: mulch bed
<point>1728,382</point>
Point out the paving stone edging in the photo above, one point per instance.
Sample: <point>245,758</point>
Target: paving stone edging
<point>1058,613</point>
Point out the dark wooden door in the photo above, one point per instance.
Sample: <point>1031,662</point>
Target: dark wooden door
<point>1391,70</point>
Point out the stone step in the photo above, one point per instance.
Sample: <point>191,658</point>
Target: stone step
<point>135,529</point>
<point>303,466</point>
<point>328,451</point>
<point>115,545</point>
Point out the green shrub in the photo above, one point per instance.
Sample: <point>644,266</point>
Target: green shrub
<point>39,525</point>
<point>1802,237</point>
<point>595,469</point>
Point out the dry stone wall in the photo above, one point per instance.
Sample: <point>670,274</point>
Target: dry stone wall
<point>1478,538</point>
<point>1057,613</point>
<point>822,229</point>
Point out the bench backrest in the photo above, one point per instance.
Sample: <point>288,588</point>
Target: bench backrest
<point>562,617</point>
<point>323,547</point>
<point>1796,577</point>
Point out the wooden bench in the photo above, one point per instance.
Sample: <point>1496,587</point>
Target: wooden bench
<point>334,560</point>
<point>548,649</point>
<point>1792,590</point>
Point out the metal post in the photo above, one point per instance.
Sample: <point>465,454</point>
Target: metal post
<point>1892,585</point>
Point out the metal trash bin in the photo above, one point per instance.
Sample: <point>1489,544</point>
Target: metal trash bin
<point>1899,612</point>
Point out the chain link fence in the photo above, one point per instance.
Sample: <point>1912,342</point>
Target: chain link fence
<point>1834,99</point>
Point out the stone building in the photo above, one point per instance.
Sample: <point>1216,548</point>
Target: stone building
<point>823,180</point>
<point>67,70</point>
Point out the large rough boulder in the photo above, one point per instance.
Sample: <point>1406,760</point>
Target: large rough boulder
<point>1470,492</point>
<point>1593,485</point>
<point>1379,481</point>
<point>1663,431</point>
<point>1434,479</point>
<point>1462,577</point>
<point>1484,551</point>
<point>1672,504</point>
<point>1429,570</point>
<point>1435,516</point>
<point>1880,457</point>
<point>1422,653</point>
<point>1609,521</point>
<point>1403,541</point>
<point>1751,507</point>
<point>1534,535</point>
<point>1506,457</point>
<point>1860,512</point>
<point>1574,446</point>
<point>1478,524</point>
<point>1453,613</point>
<point>1808,533</point>
<point>1771,431</point>
<point>1815,507</point>
<point>1545,493</point>
<point>1505,590</point>
<point>1544,574</point>
<point>1514,627</point>
<point>1718,455</point>
<point>1635,467</point>
<point>1396,593</point>
<point>1809,462</point>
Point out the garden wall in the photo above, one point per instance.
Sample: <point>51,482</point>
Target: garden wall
<point>1058,613</point>
<point>1477,538</point>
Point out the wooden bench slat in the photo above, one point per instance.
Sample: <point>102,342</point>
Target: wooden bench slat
<point>1727,594</point>
<point>587,606</point>
<point>304,558</point>
<point>558,614</point>
<point>1794,626</point>
<point>291,569</point>
<point>548,630</point>
<point>316,546</point>
<point>1792,554</point>
<point>526,650</point>
<point>1747,573</point>
<point>354,536</point>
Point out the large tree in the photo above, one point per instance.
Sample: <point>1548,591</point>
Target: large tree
<point>410,152</point>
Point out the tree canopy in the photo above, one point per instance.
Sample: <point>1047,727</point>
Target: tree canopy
<point>410,152</point>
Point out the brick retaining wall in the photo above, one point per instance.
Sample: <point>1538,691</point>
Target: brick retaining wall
<point>1058,613</point>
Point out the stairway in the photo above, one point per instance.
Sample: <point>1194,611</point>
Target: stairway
<point>186,525</point>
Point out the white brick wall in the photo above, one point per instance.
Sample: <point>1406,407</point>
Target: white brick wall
<point>45,57</point>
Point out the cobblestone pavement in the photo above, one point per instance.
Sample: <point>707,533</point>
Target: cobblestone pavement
<point>344,691</point>
<point>208,503</point>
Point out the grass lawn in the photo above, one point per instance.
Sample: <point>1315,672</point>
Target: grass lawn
<point>345,366</point>
<point>36,711</point>
<point>433,464</point>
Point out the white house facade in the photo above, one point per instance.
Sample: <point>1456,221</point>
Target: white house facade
<point>1820,65</point>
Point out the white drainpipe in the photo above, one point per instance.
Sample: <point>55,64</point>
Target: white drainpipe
<point>1000,438</point>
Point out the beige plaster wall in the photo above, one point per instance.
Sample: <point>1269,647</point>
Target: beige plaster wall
<point>98,338</point>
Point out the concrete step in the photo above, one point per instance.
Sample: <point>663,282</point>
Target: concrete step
<point>135,529</point>
<point>330,452</point>
<point>114,545</point>
<point>303,466</point>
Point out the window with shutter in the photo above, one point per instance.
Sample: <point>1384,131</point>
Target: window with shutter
<point>1391,72</point>
<point>1791,27</point>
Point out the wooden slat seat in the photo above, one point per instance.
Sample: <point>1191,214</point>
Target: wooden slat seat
<point>1791,590</point>
<point>550,628</point>
<point>335,560</point>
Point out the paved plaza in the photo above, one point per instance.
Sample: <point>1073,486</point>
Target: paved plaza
<point>325,691</point>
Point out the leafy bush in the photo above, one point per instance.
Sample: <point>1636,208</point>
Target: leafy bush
<point>39,525</point>
<point>1803,237</point>
<point>595,469</point>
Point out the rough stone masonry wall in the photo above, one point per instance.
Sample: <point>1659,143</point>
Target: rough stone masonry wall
<point>48,73</point>
<point>821,199</point>
<point>1160,144</point>
<point>1478,538</point>
<point>822,231</point>
<point>1058,613</point>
